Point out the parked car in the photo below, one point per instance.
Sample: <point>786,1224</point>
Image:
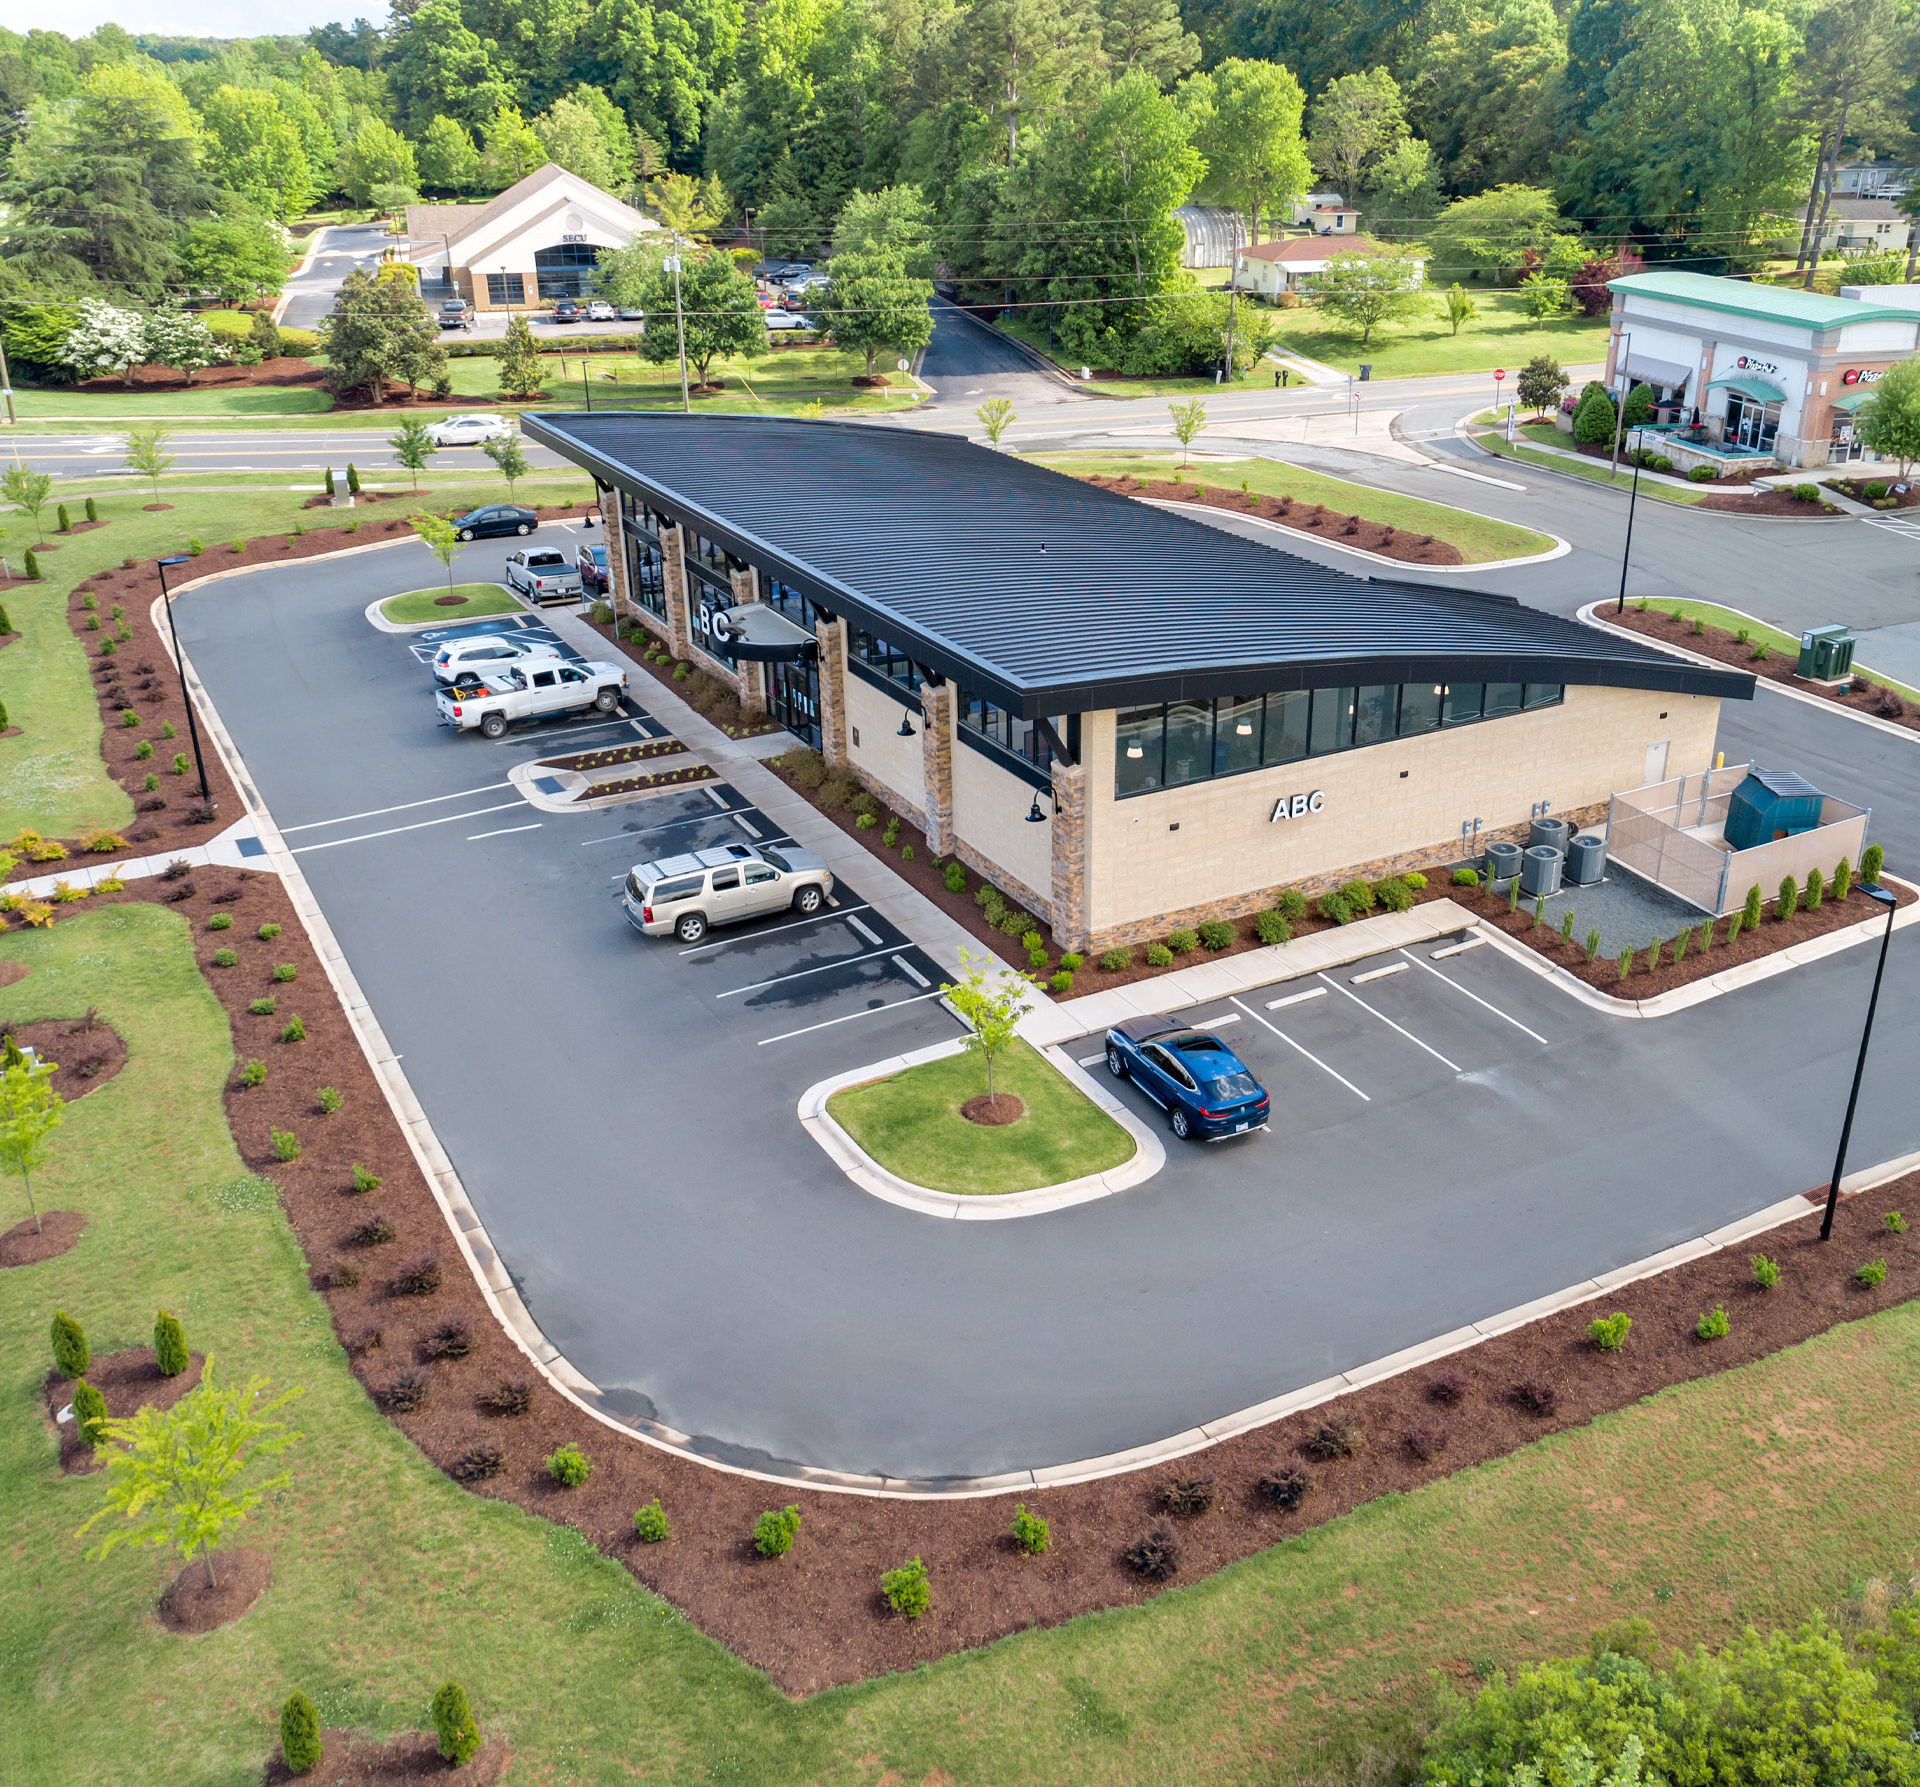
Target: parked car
<point>681,896</point>
<point>542,574</point>
<point>492,700</point>
<point>455,313</point>
<point>591,562</point>
<point>1203,1086</point>
<point>567,310</point>
<point>487,651</point>
<point>499,518</point>
<point>631,313</point>
<point>600,311</point>
<point>786,319</point>
<point>468,431</point>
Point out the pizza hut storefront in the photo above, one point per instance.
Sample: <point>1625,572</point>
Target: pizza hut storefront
<point>1854,387</point>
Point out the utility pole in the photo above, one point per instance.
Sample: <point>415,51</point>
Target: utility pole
<point>1233,291</point>
<point>679,323</point>
<point>6,385</point>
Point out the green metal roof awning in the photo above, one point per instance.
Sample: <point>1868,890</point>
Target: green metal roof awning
<point>1758,389</point>
<point>1852,400</point>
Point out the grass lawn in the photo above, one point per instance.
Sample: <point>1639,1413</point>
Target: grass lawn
<point>1785,645</point>
<point>482,599</point>
<point>160,406</point>
<point>911,1123</point>
<point>1501,335</point>
<point>1031,327</point>
<point>51,776</point>
<point>1479,537</point>
<point>1592,470</point>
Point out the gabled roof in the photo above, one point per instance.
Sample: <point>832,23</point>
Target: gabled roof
<point>1053,596</point>
<point>1296,249</point>
<point>1739,297</point>
<point>462,223</point>
<point>1868,210</point>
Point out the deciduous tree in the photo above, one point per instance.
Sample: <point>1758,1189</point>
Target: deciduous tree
<point>991,1007</point>
<point>519,366</point>
<point>1889,422</point>
<point>447,159</point>
<point>412,447</point>
<point>375,155</point>
<point>173,338</point>
<point>1365,291</point>
<point>147,454</point>
<point>378,331</point>
<point>104,339</point>
<point>236,257</point>
<point>1245,119</point>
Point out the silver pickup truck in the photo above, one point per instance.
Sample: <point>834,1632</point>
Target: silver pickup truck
<point>531,690</point>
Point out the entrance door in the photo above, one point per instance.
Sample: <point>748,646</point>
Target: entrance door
<point>1656,763</point>
<point>794,698</point>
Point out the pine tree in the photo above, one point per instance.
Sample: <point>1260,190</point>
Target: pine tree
<point>169,1345</point>
<point>65,524</point>
<point>89,1413</point>
<point>453,1723</point>
<point>93,510</point>
<point>331,492</point>
<point>299,1734</point>
<point>70,1353</point>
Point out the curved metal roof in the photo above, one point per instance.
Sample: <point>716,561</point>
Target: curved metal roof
<point>1052,596</point>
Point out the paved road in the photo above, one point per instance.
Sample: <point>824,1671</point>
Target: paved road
<point>625,1123</point>
<point>292,451</point>
<point>336,251</point>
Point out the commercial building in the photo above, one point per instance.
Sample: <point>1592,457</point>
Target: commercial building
<point>1125,718</point>
<point>1743,371</point>
<point>535,242</point>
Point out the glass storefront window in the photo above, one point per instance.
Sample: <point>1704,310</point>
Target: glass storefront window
<point>1236,734</point>
<point>1463,703</point>
<point>1419,708</point>
<point>1373,713</point>
<point>890,661</point>
<point>1332,728</point>
<point>1286,737</point>
<point>1189,741</point>
<point>1543,694</point>
<point>1139,746</point>
<point>1502,698</point>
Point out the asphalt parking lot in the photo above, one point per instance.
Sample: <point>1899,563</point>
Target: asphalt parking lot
<point>623,1115</point>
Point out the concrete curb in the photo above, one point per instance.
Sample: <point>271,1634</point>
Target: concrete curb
<point>524,775</point>
<point>1148,1158</point>
<point>1560,549</point>
<point>381,624</point>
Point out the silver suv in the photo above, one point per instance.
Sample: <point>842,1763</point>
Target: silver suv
<point>681,896</point>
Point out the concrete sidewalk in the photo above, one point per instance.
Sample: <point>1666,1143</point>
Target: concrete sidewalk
<point>238,847</point>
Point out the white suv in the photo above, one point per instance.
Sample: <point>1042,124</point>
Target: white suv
<point>486,651</point>
<point>682,895</point>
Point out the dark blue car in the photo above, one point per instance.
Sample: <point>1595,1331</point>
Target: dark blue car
<point>1202,1085</point>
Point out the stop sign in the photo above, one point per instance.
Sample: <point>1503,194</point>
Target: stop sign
<point>1500,372</point>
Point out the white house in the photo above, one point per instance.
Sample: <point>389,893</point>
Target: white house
<point>1865,226</point>
<point>1271,268</point>
<point>535,242</point>
<point>1326,214</point>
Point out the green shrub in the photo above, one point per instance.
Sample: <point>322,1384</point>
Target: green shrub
<point>906,1588</point>
<point>774,1531</point>
<point>955,877</point>
<point>906,853</point>
<point>1842,879</point>
<point>285,972</point>
<point>681,672</point>
<point>453,1725</point>
<point>1073,962</point>
<point>1182,942</point>
<point>1736,921</point>
<point>330,1100</point>
<point>1593,944</point>
<point>93,512</point>
<point>70,1355</point>
<point>224,958</point>
<point>363,1180</point>
<point>1393,893</point>
<point>1750,909</point>
<point>1116,960</point>
<point>1870,860</point>
<point>1031,940</point>
<point>1626,963</point>
<point>353,479</point>
<point>1871,1274</point>
<point>33,576</point>
<point>1271,928</point>
<point>1816,889</point>
<point>253,1073</point>
<point>1029,1531</point>
<point>1701,474</point>
<point>1016,923</point>
<point>1711,1326</point>
<point>152,782</point>
<point>263,1007</point>
<point>1807,493</point>
<point>90,1413</point>
<point>866,821</point>
<point>220,921</point>
<point>169,1345</point>
<point>1745,635</point>
<point>1359,896</point>
<point>294,1030</point>
<point>1789,898</point>
<point>1291,904</point>
<point>1894,1223</point>
<point>1566,925</point>
<point>194,548</point>
<point>1466,877</point>
<point>1759,653</point>
<point>1159,955</point>
<point>1609,1332</point>
<point>286,1145</point>
<point>299,1734</point>
<point>1680,947</point>
<point>268,932</point>
<point>1216,933</point>
<point>891,836</point>
<point>1061,982</point>
<point>166,729</point>
<point>129,718</point>
<point>650,1523</point>
<point>1332,906</point>
<point>1415,880</point>
<point>1873,490</point>
<point>569,1466</point>
<point>1513,894</point>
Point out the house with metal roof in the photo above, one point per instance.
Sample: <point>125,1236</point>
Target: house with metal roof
<point>531,244</point>
<point>1750,372</point>
<point>1124,717</point>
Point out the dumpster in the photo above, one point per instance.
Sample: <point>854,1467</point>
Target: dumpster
<point>1769,804</point>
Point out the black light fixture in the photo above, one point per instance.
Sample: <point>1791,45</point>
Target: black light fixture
<point>906,727</point>
<point>1876,892</point>
<point>1034,815</point>
<point>180,665</point>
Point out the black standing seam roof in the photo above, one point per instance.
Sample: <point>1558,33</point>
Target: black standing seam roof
<point>1051,596</point>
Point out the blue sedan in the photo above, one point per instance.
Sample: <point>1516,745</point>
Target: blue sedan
<point>1202,1085</point>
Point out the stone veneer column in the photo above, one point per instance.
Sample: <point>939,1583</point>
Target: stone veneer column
<point>833,691</point>
<point>615,540</point>
<point>750,676</point>
<point>674,578</point>
<point>936,758</point>
<point>1071,929</point>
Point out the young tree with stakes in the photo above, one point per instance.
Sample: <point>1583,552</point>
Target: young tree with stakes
<point>412,447</point>
<point>1460,308</point>
<point>147,454</point>
<point>442,538</point>
<point>992,1008</point>
<point>175,1476</point>
<point>30,1109</point>
<point>27,489</point>
<point>507,457</point>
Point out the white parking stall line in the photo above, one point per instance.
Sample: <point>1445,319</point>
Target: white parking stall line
<point>911,972</point>
<point>870,935</point>
<point>394,830</point>
<point>1092,1060</point>
<point>1475,997</point>
<point>475,837</point>
<point>1391,1025</point>
<point>526,739</point>
<point>872,1011</point>
<point>1310,1055</point>
<point>1458,949</point>
<point>801,974</point>
<point>700,949</point>
<point>404,806</point>
<point>752,831</point>
<point>1296,998</point>
<point>614,837</point>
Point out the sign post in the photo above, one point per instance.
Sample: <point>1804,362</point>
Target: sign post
<point>1499,373</point>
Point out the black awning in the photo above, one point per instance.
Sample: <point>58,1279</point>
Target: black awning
<point>755,633</point>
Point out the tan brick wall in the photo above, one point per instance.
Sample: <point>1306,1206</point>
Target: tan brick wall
<point>674,577</point>
<point>990,827</point>
<point>1226,853</point>
<point>887,763</point>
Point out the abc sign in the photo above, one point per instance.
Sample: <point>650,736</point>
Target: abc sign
<point>1297,806</point>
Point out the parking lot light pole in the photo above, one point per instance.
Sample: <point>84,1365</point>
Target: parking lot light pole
<point>1860,1066</point>
<point>180,664</point>
<point>1626,549</point>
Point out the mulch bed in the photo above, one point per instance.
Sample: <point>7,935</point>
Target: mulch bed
<point>1305,518</point>
<point>200,1599</point>
<point>86,1059</point>
<point>586,760</point>
<point>995,1112</point>
<point>129,1381</point>
<point>1856,488</point>
<point>21,1245</point>
<point>287,370</point>
<point>347,1761</point>
<point>1768,502</point>
<point>666,778</point>
<point>726,713</point>
<point>1864,696</point>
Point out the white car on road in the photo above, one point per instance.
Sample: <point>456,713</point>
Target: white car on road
<point>785,319</point>
<point>487,651</point>
<point>469,431</point>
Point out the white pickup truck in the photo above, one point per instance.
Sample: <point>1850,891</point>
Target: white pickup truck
<point>530,690</point>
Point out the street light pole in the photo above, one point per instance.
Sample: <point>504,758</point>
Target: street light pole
<point>1620,413</point>
<point>679,323</point>
<point>1626,550</point>
<point>180,665</point>
<point>1859,1066</point>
